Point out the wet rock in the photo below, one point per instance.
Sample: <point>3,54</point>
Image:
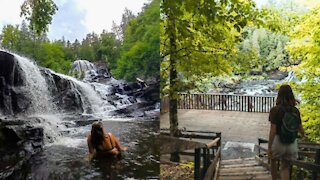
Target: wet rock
<point>19,140</point>
<point>277,75</point>
<point>11,79</point>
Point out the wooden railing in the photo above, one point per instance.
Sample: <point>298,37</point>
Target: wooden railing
<point>207,158</point>
<point>308,161</point>
<point>226,102</point>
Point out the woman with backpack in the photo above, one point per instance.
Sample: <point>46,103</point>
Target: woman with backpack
<point>285,124</point>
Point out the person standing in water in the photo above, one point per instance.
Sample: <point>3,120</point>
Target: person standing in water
<point>101,143</point>
<point>278,146</point>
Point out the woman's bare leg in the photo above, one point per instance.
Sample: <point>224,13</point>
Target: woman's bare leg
<point>274,169</point>
<point>284,170</point>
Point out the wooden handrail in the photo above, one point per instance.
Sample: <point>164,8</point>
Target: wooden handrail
<point>205,155</point>
<point>309,154</point>
<point>306,165</point>
<point>300,144</point>
<point>211,171</point>
<point>213,143</point>
<point>228,94</point>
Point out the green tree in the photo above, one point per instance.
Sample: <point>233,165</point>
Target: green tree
<point>10,36</point>
<point>39,14</point>
<point>140,56</point>
<point>197,37</point>
<point>305,47</point>
<point>109,49</point>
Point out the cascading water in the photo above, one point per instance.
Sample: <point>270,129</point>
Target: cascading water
<point>92,103</point>
<point>80,67</point>
<point>36,88</point>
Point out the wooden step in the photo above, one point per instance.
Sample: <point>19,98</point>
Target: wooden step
<point>238,161</point>
<point>244,177</point>
<point>244,173</point>
<point>240,165</point>
<point>242,169</point>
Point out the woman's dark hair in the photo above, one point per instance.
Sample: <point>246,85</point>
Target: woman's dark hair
<point>97,135</point>
<point>285,96</point>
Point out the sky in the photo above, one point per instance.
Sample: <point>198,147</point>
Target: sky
<point>75,18</point>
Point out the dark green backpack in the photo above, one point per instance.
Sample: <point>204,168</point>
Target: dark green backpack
<point>289,127</point>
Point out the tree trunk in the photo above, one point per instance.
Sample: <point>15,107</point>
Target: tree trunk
<point>173,112</point>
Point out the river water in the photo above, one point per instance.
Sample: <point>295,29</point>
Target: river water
<point>65,158</point>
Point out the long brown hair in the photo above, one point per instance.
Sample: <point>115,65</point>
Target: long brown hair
<point>285,96</point>
<point>97,134</point>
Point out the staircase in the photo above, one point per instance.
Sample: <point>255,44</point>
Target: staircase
<point>244,168</point>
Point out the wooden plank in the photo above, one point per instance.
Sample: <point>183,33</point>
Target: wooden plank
<point>309,145</point>
<point>211,170</point>
<point>243,177</point>
<point>170,144</point>
<point>309,154</point>
<point>237,160</point>
<point>242,169</point>
<point>216,171</point>
<point>250,164</point>
<point>309,166</point>
<point>213,143</point>
<point>245,173</point>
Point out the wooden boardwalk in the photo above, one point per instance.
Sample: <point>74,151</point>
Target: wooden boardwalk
<point>234,125</point>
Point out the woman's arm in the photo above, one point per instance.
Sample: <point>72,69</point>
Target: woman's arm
<point>90,147</point>
<point>301,130</point>
<point>117,143</point>
<point>272,134</point>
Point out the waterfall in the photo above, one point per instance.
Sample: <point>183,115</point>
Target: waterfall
<point>80,67</point>
<point>91,101</point>
<point>45,98</point>
<point>36,87</point>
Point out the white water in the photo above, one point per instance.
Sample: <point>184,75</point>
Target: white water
<point>80,67</point>
<point>36,87</point>
<point>86,92</point>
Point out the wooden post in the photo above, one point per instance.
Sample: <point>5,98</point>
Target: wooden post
<point>317,161</point>
<point>204,164</point>
<point>197,161</point>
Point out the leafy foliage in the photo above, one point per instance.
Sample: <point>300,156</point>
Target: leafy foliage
<point>261,50</point>
<point>39,13</point>
<point>305,47</point>
<point>140,50</point>
<point>205,34</point>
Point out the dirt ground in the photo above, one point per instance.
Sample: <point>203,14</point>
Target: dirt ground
<point>234,126</point>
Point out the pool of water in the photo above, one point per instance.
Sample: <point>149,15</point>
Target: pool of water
<point>65,159</point>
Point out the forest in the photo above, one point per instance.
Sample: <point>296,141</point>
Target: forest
<point>238,38</point>
<point>130,49</point>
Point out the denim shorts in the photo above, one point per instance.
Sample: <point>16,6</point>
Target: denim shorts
<point>284,151</point>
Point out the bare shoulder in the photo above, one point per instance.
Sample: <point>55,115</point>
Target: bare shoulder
<point>89,137</point>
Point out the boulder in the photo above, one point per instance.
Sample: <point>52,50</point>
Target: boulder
<point>19,140</point>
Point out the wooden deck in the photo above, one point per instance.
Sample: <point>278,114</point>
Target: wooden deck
<point>234,125</point>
